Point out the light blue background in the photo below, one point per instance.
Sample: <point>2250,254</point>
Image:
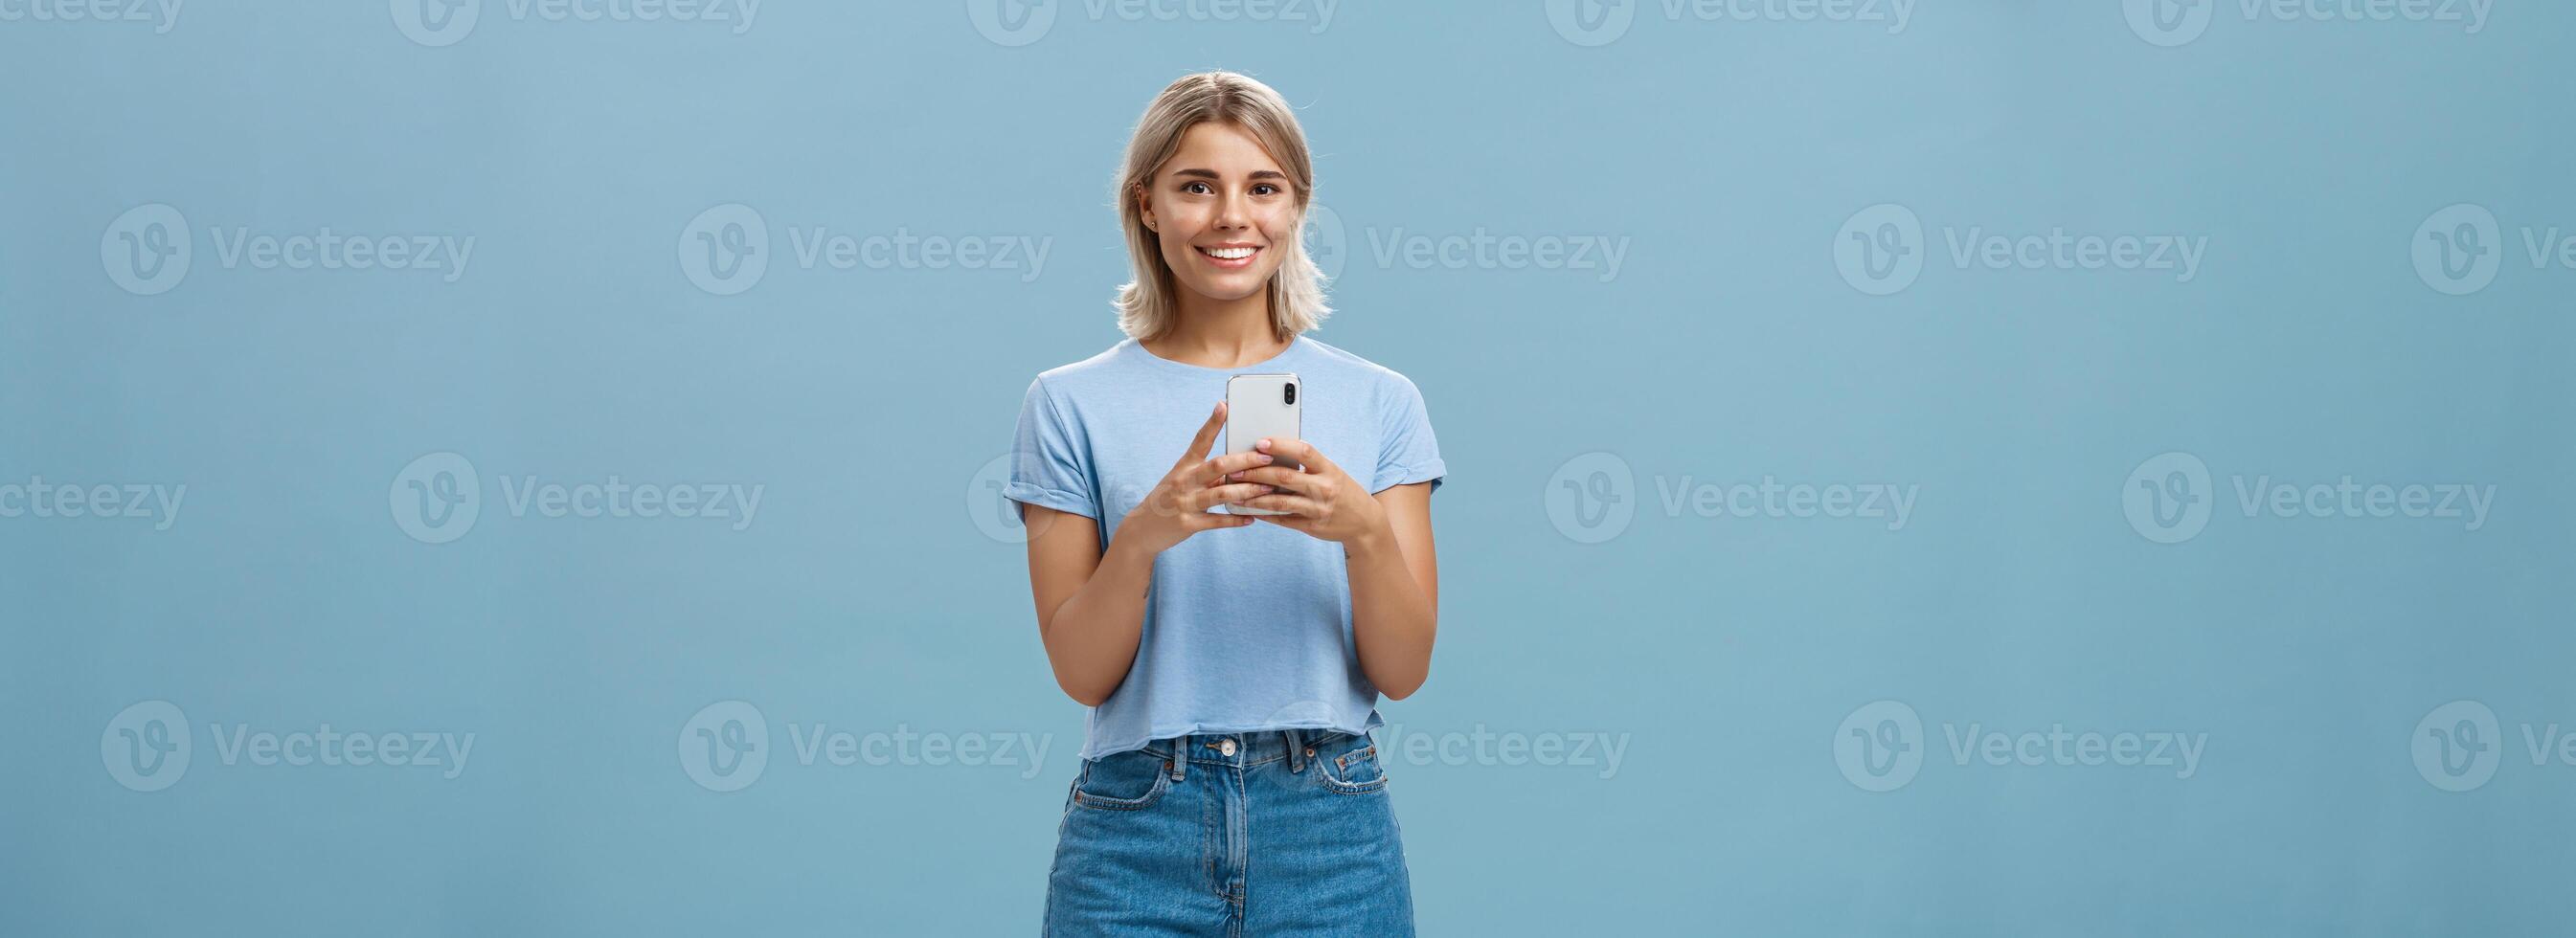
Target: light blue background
<point>1725,650</point>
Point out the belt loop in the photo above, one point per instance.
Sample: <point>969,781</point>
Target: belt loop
<point>1180,756</point>
<point>1296,753</point>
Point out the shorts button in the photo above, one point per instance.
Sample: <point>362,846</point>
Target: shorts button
<point>1226,747</point>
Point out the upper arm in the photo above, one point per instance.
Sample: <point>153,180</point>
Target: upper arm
<point>1408,513</point>
<point>1064,548</point>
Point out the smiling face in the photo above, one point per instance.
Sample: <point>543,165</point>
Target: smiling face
<point>1223,212</point>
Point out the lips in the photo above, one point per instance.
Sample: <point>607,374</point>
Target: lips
<point>1229,257</point>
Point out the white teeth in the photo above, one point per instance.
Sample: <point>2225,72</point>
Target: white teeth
<point>1228,254</point>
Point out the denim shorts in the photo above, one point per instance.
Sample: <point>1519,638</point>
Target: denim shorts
<point>1273,833</point>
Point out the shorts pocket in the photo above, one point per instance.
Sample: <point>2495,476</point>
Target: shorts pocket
<point>1124,781</point>
<point>1354,770</point>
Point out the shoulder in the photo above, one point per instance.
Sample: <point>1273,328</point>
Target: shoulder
<point>1386,385</point>
<point>1072,376</point>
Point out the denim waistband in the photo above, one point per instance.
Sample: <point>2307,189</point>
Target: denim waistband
<point>1245,750</point>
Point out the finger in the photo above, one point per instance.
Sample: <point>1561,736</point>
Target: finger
<point>1291,522</point>
<point>1206,438</point>
<point>1298,451</point>
<point>1292,504</point>
<point>1206,498</point>
<point>1211,471</point>
<point>1208,522</point>
<point>1281,477</point>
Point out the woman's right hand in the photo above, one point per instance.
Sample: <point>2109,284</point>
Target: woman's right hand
<point>1178,505</point>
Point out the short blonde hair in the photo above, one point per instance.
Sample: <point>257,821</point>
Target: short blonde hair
<point>1146,305</point>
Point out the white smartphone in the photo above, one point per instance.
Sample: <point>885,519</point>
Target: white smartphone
<point>1259,407</point>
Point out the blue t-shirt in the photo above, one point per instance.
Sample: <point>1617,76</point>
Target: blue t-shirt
<point>1247,628</point>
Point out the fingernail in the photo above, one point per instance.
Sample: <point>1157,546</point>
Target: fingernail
<point>1263,445</point>
<point>1264,460</point>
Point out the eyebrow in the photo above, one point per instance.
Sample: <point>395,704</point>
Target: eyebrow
<point>1211,174</point>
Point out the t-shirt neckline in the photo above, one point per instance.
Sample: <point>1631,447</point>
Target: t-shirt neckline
<point>1295,343</point>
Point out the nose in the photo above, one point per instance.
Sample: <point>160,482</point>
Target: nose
<point>1234,212</point>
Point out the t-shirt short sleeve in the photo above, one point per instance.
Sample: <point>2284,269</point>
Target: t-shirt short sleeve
<point>1410,453</point>
<point>1047,464</point>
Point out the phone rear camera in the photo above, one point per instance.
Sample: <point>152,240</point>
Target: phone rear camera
<point>1292,392</point>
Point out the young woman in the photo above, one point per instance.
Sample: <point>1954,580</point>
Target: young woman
<point>1232,662</point>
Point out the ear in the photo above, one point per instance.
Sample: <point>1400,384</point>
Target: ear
<point>1145,210</point>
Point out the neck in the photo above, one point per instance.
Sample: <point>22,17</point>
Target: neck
<point>1220,333</point>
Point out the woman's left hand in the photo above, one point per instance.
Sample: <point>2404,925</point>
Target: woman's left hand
<point>1321,500</point>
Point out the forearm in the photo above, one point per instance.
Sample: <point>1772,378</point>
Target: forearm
<point>1091,639</point>
<point>1393,620</point>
